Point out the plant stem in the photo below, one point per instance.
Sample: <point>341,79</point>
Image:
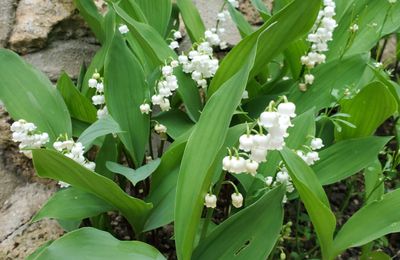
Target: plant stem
<point>210,210</point>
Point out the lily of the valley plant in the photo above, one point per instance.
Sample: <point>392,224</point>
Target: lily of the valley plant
<point>214,151</point>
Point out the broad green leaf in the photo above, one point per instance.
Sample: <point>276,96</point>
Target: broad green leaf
<point>163,186</point>
<point>132,175</point>
<point>368,110</point>
<point>125,90</point>
<point>204,142</point>
<point>72,204</point>
<point>334,164</point>
<point>51,164</point>
<point>249,234</point>
<point>158,50</point>
<point>89,11</point>
<point>93,244</point>
<point>101,127</point>
<point>28,94</point>
<point>176,121</point>
<point>241,23</point>
<point>191,17</point>
<point>158,13</point>
<point>39,250</point>
<point>374,184</point>
<point>109,152</point>
<point>375,19</point>
<point>319,95</point>
<point>373,221</point>
<point>283,28</point>
<point>78,105</point>
<point>314,199</point>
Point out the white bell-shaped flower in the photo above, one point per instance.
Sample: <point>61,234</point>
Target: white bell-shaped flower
<point>237,200</point>
<point>210,201</point>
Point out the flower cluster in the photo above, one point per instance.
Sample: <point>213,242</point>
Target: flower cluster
<point>25,133</point>
<point>175,44</point>
<point>73,150</point>
<point>321,35</point>
<point>311,156</point>
<point>200,63</point>
<point>276,121</point>
<point>165,88</point>
<point>98,99</point>
<point>282,177</point>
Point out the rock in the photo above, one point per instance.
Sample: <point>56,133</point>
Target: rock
<point>25,240</point>
<point>7,13</point>
<point>35,19</point>
<point>65,56</point>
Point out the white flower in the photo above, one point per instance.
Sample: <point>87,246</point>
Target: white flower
<point>156,99</point>
<point>268,119</point>
<point>174,45</point>
<point>145,108</point>
<point>251,167</point>
<point>92,83</point>
<point>246,142</point>
<point>237,200</point>
<point>159,128</point>
<point>238,165</point>
<point>90,165</point>
<point>174,63</point>
<point>269,180</point>
<point>311,158</point>
<point>25,133</point>
<point>378,65</point>
<point>259,154</point>
<point>210,200</point>
<point>100,87</point>
<point>283,176</point>
<point>223,45</point>
<point>287,109</point>
<point>102,112</point>
<point>245,94</point>
<point>98,100</point>
<point>165,105</point>
<point>183,59</point>
<point>123,29</point>
<point>177,35</point>
<point>58,146</point>
<point>227,163</point>
<point>167,70</point>
<point>221,17</point>
<point>316,143</point>
<point>96,76</point>
<point>309,79</point>
<point>354,28</point>
<point>63,184</point>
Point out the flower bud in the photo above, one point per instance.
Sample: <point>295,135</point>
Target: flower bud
<point>237,200</point>
<point>210,201</point>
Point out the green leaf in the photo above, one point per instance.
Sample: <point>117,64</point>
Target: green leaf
<point>191,17</point>
<point>194,177</point>
<point>72,204</point>
<point>375,19</point>
<point>241,23</point>
<point>374,184</point>
<point>51,164</point>
<point>205,142</point>
<point>373,221</point>
<point>101,127</point>
<point>163,186</point>
<point>109,151</point>
<point>78,105</point>
<point>334,164</point>
<point>249,234</point>
<point>93,244</point>
<point>28,94</point>
<point>157,49</point>
<point>368,110</point>
<point>89,11</point>
<point>176,121</point>
<point>314,199</point>
<point>274,36</point>
<point>319,95</point>
<point>132,175</point>
<point>125,90</point>
<point>158,13</point>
